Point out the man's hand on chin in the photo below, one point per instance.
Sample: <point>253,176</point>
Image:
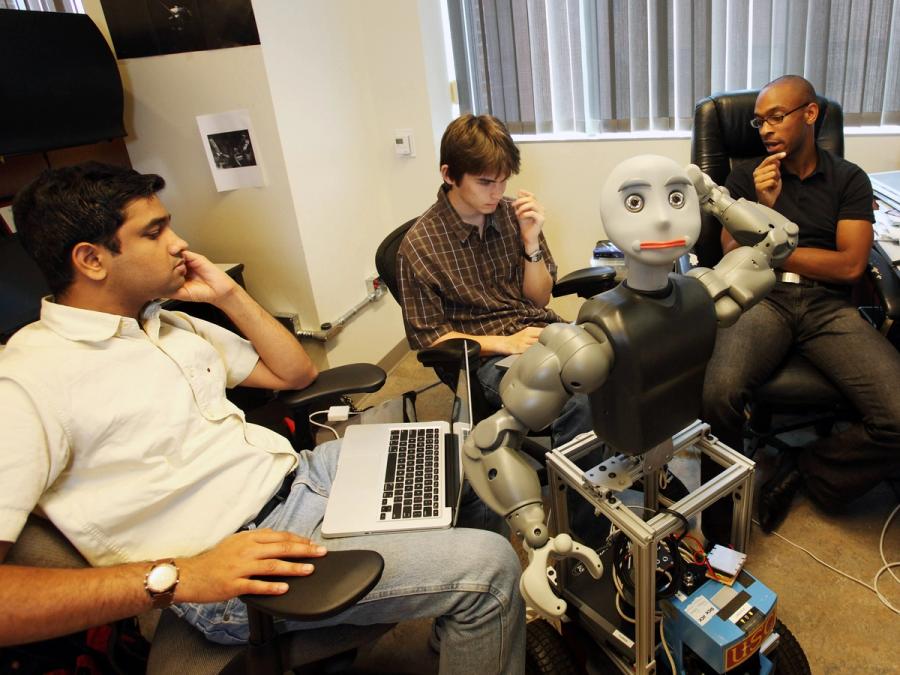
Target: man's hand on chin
<point>203,280</point>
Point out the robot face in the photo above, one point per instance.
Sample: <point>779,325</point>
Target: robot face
<point>650,210</point>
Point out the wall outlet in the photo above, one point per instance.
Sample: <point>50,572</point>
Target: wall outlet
<point>374,285</point>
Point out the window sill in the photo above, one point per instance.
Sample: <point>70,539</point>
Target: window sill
<point>886,130</point>
<point>570,137</point>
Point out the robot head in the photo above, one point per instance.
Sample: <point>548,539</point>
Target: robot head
<point>650,210</point>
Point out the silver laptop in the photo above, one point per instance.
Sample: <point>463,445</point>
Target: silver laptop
<point>401,477</point>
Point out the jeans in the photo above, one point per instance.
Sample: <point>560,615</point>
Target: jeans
<point>573,419</point>
<point>468,579</point>
<point>825,328</point>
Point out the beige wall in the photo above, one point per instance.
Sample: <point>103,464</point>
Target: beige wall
<point>343,77</point>
<point>326,90</point>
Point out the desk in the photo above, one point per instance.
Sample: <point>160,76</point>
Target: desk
<point>888,212</point>
<point>885,258</point>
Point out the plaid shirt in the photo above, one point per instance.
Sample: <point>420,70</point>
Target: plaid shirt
<point>450,279</point>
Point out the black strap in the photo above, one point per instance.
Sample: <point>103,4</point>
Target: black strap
<point>276,499</point>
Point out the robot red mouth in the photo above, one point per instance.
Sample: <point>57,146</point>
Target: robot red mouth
<point>672,243</point>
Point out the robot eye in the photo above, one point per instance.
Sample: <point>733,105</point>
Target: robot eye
<point>634,203</point>
<point>676,199</point>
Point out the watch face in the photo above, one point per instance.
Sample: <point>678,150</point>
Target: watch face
<point>162,577</point>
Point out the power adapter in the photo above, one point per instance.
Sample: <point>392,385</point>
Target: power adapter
<point>338,413</point>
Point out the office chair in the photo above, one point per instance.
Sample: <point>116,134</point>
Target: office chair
<point>21,287</point>
<point>444,357</point>
<point>721,139</point>
<point>341,579</point>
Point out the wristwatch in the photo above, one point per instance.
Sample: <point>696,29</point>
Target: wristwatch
<point>537,256</point>
<point>160,582</point>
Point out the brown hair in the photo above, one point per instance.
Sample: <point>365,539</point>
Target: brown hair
<point>477,145</point>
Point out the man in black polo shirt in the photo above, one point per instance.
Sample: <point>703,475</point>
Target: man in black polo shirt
<point>830,199</point>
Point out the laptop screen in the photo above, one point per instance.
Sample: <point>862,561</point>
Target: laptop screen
<point>461,418</point>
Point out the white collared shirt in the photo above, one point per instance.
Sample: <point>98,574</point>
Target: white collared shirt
<point>123,437</point>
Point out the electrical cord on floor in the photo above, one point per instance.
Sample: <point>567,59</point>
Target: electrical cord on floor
<point>886,567</point>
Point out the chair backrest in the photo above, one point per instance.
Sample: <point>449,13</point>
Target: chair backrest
<point>722,137</point>
<point>40,544</point>
<point>386,257</point>
<point>21,287</point>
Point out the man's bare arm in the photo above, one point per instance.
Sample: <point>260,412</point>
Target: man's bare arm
<point>843,266</point>
<point>537,283</point>
<point>41,603</point>
<point>283,363</point>
<point>493,345</point>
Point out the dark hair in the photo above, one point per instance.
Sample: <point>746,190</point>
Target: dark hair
<point>475,145</point>
<point>82,203</point>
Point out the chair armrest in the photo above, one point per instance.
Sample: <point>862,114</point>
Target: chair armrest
<point>885,282</point>
<point>340,580</point>
<point>350,379</point>
<point>447,354</point>
<point>586,282</point>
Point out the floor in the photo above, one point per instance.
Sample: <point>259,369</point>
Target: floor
<point>841,625</point>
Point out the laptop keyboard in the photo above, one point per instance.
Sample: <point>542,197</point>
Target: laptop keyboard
<point>411,488</point>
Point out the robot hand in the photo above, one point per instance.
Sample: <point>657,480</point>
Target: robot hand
<point>535,582</point>
<point>750,224</point>
<point>740,280</point>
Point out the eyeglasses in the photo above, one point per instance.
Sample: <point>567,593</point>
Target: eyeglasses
<point>776,119</point>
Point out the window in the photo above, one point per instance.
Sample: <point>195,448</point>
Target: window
<point>592,66</point>
<point>70,6</point>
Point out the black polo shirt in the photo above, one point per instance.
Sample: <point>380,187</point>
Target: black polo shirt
<point>835,190</point>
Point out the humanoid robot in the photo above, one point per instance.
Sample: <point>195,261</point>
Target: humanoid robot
<point>639,351</point>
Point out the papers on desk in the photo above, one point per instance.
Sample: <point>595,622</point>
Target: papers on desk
<point>887,232</point>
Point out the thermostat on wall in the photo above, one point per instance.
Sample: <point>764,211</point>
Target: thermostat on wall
<point>403,143</point>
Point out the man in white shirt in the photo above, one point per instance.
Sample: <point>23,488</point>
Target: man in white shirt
<point>117,429</point>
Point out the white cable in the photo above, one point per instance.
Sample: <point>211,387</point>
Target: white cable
<point>886,567</point>
<point>662,637</point>
<point>323,426</point>
<point>881,542</point>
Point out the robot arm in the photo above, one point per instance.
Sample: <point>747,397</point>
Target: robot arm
<point>744,275</point>
<point>567,359</point>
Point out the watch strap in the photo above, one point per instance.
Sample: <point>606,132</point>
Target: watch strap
<point>537,256</point>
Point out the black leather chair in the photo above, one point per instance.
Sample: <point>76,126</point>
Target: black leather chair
<point>723,138</point>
